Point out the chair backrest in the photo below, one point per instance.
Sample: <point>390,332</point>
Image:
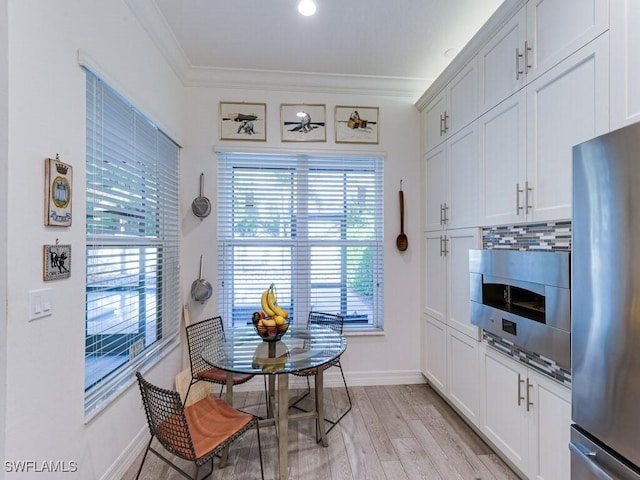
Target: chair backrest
<point>205,333</point>
<point>166,419</point>
<point>331,320</point>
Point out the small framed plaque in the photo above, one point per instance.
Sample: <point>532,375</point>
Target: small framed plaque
<point>57,262</point>
<point>58,181</point>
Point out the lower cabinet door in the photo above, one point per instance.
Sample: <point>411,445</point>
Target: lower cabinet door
<point>505,422</point>
<point>550,432</point>
<point>464,369</point>
<point>436,354</point>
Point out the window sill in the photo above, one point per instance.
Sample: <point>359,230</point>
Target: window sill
<point>374,332</point>
<point>123,385</point>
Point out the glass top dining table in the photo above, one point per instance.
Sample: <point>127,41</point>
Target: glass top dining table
<point>242,350</point>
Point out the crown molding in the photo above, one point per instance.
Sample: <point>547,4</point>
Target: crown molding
<point>152,20</point>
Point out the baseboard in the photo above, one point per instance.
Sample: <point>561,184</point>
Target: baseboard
<point>332,378</point>
<point>124,461</point>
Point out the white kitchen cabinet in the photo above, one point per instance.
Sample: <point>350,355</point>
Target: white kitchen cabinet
<point>446,290</point>
<point>526,141</point>
<point>452,109</point>
<point>435,354</point>
<point>500,64</point>
<point>625,63</point>
<point>538,37</point>
<point>463,370</point>
<point>503,161</point>
<point>505,422</point>
<point>448,348</point>
<point>565,106</point>
<point>450,182</point>
<point>435,276</point>
<point>558,28</point>
<point>526,416</point>
<point>549,429</point>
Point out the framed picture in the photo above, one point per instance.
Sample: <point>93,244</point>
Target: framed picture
<point>303,123</point>
<point>356,124</point>
<point>243,121</point>
<point>57,261</point>
<point>58,182</point>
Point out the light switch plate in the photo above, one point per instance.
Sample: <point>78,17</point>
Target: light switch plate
<point>40,303</point>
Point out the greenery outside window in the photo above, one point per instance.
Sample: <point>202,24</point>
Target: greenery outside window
<point>312,225</point>
<point>132,242</point>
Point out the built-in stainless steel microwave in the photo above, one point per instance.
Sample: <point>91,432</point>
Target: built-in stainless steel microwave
<point>525,298</point>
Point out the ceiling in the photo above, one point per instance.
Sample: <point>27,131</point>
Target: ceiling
<point>401,39</point>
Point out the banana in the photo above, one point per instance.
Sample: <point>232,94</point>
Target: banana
<point>272,301</point>
<point>265,304</point>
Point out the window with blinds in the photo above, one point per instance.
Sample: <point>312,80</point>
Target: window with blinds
<point>132,241</point>
<point>312,225</point>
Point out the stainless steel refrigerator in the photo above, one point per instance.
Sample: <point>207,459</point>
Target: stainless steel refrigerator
<point>605,307</point>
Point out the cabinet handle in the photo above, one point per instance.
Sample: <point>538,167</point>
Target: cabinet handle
<point>441,245</point>
<point>442,130</point>
<point>518,57</point>
<point>520,397</point>
<point>446,123</point>
<point>527,49</point>
<point>445,217</point>
<point>518,192</point>
<point>527,189</point>
<point>446,240</point>
<point>529,402</point>
<point>441,215</point>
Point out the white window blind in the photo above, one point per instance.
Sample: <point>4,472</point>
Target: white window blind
<point>311,225</point>
<point>132,241</point>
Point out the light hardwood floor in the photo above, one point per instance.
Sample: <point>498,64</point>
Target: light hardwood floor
<point>402,432</point>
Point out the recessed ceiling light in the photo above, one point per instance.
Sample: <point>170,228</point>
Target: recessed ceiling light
<point>307,7</point>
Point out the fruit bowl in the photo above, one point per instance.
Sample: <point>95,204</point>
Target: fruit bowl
<point>271,334</point>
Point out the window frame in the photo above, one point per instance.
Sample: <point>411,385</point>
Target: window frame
<point>132,208</point>
<point>298,296</point>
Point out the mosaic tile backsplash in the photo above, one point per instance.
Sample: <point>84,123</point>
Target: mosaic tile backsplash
<point>552,236</point>
<point>543,365</point>
<point>540,236</point>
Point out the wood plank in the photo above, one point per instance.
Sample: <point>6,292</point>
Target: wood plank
<point>390,418</point>
<point>393,469</point>
<point>415,460</point>
<point>373,426</point>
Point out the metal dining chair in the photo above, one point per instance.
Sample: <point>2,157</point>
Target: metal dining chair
<point>336,323</point>
<point>199,335</point>
<point>196,433</point>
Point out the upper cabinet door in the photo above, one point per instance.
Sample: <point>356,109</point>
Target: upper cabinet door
<point>462,99</point>
<point>435,170</point>
<point>538,37</point>
<point>625,63</point>
<point>433,122</point>
<point>565,106</point>
<point>557,28</point>
<point>461,209</point>
<point>503,161</point>
<point>501,63</point>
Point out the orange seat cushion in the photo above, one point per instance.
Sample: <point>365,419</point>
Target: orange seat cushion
<point>220,376</point>
<point>211,422</point>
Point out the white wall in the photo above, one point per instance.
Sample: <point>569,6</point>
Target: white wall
<point>44,395</point>
<point>394,356</point>
<point>4,104</point>
<point>45,357</point>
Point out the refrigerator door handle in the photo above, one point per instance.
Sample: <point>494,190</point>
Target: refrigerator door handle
<point>588,458</point>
